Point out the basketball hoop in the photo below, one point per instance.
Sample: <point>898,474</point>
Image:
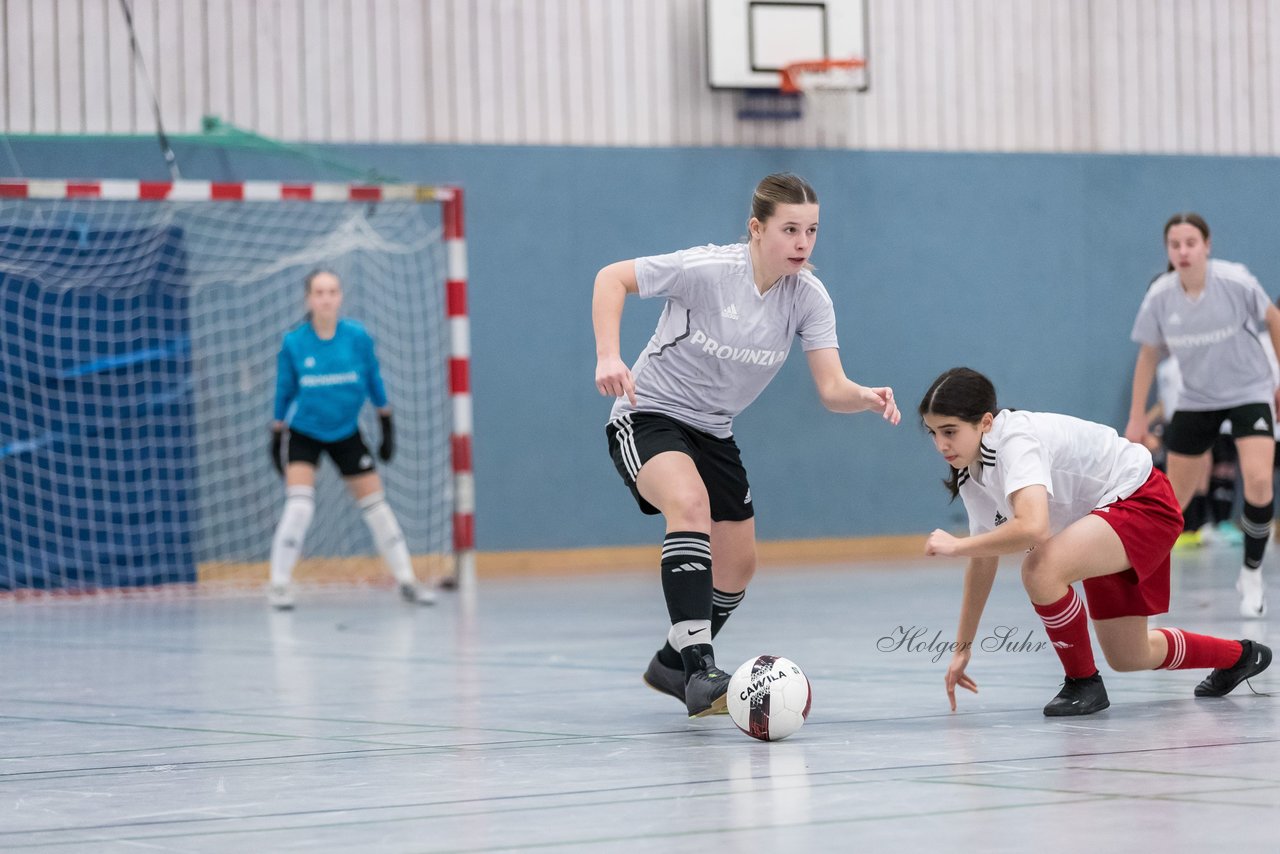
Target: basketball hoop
<point>829,87</point>
<point>841,75</point>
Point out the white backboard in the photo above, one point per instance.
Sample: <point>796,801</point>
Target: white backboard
<point>749,41</point>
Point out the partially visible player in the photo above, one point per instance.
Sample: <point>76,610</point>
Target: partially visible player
<point>326,371</point>
<point>1081,503</point>
<point>730,317</point>
<point>1209,313</point>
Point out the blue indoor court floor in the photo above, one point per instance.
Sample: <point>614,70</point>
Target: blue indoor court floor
<point>517,721</point>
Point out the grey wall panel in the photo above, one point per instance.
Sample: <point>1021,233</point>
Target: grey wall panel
<point>1155,76</point>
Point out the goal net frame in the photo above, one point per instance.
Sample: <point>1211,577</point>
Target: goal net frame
<point>448,197</point>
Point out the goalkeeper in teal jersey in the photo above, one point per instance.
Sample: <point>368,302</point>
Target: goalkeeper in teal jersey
<point>327,370</point>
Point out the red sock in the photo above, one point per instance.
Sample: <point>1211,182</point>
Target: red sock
<point>1188,651</point>
<point>1067,626</point>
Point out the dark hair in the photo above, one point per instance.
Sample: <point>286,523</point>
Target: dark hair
<point>1187,218</point>
<point>959,393</point>
<point>780,188</point>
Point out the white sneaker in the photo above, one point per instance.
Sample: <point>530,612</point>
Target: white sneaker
<point>418,594</point>
<point>1253,603</point>
<point>280,596</point>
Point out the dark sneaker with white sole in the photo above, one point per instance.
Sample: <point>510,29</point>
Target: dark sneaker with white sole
<point>1254,659</point>
<point>1079,697</point>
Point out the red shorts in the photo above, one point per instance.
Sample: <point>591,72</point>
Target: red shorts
<point>1147,522</point>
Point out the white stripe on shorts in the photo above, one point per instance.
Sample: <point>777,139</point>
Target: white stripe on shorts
<point>626,436</point>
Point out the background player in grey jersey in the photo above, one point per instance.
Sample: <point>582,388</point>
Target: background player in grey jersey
<point>730,316</point>
<point>1209,314</point>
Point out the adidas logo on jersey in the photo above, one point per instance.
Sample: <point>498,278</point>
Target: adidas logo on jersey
<point>1260,424</point>
<point>1000,518</point>
<point>731,311</point>
<point>309,362</point>
<point>747,500</point>
<point>1175,318</point>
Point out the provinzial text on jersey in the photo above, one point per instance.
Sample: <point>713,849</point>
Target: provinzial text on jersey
<point>746,355</point>
<point>1201,339</point>
<point>314,380</point>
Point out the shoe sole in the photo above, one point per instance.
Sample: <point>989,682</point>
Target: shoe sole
<point>719,706</point>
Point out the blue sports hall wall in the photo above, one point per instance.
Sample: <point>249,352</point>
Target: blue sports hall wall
<point>1027,267</point>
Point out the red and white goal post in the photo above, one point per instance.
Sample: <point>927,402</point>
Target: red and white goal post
<point>142,321</point>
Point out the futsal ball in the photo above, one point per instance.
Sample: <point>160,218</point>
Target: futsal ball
<point>769,697</point>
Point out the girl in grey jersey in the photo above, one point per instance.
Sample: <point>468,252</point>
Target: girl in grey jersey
<point>1209,313</point>
<point>730,316</point>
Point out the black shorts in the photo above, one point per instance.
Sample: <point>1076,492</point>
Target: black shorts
<point>636,438</point>
<point>1193,433</point>
<point>350,455</point>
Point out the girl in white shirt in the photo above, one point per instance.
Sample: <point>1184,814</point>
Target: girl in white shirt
<point>1081,503</point>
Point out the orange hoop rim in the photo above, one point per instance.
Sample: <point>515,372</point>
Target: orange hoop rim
<point>792,72</point>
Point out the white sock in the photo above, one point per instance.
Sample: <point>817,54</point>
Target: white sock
<point>286,545</point>
<point>387,536</point>
<point>689,632</point>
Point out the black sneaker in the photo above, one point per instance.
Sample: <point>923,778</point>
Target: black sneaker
<point>668,680</point>
<point>705,686</point>
<point>1079,697</point>
<point>1253,660</point>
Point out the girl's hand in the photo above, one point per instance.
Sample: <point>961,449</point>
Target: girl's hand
<point>1136,430</point>
<point>957,676</point>
<point>882,401</point>
<point>613,378</point>
<point>941,544</point>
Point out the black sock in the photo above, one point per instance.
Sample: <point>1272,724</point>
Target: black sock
<point>1222,498</point>
<point>722,606</point>
<point>1193,517</point>
<point>686,575</point>
<point>1256,525</point>
<point>686,583</point>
